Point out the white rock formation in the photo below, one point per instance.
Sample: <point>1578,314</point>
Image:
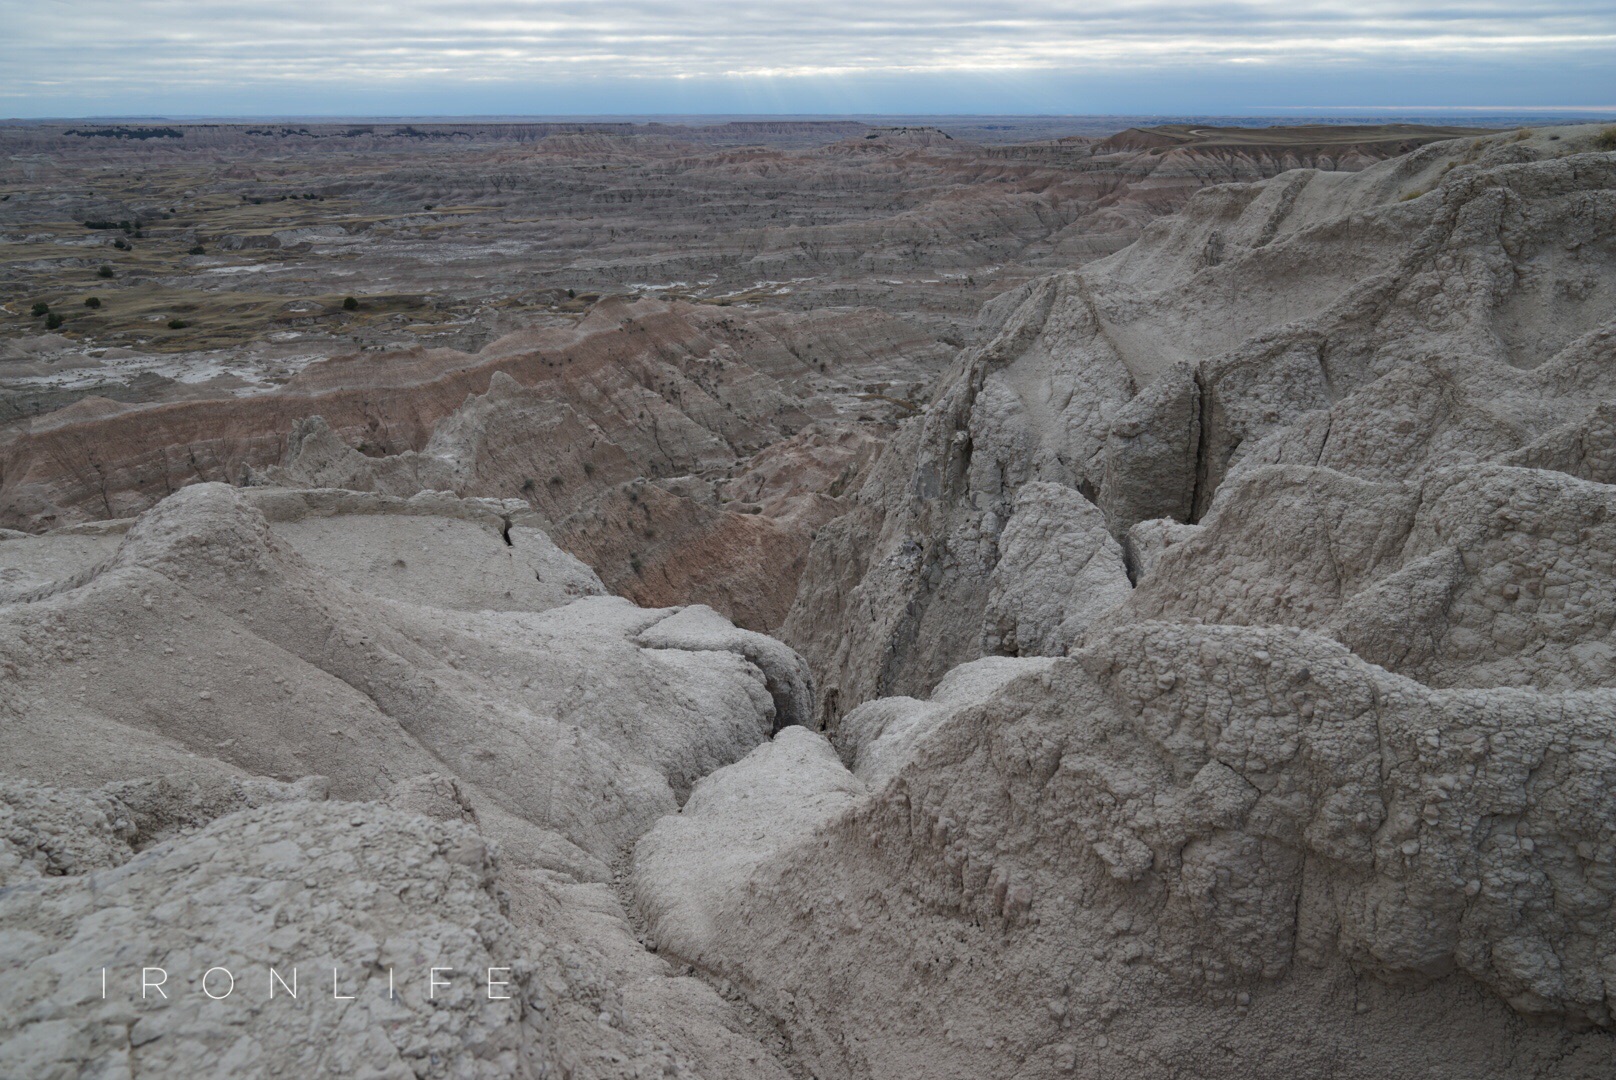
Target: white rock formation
<point>1214,850</point>
<point>1058,570</point>
<point>1437,310</point>
<point>1327,792</point>
<point>433,654</point>
<point>1218,680</point>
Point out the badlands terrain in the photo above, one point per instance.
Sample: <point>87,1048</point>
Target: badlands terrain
<point>836,601</point>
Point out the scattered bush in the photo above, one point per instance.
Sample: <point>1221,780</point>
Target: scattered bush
<point>52,321</point>
<point>92,301</point>
<point>39,308</point>
<point>177,324</point>
<point>350,304</point>
<point>104,272</point>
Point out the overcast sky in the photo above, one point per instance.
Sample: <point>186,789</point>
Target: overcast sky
<point>279,57</point>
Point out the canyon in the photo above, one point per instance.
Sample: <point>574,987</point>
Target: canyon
<point>843,600</point>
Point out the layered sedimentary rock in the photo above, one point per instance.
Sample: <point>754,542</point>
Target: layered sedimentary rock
<point>1214,678</point>
<point>573,423</point>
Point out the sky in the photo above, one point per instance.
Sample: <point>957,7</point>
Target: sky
<point>65,58</point>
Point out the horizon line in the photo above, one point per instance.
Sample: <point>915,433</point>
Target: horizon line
<point>1257,110</point>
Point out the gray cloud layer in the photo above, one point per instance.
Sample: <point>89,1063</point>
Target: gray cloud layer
<point>170,51</point>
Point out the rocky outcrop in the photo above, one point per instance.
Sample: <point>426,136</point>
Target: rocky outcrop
<point>1479,576</point>
<point>1304,496</point>
<point>668,401</point>
<point>1436,310</point>
<point>490,736</point>
<point>1177,831</point>
<point>306,935</point>
<point>1215,678</point>
<point>1058,571</point>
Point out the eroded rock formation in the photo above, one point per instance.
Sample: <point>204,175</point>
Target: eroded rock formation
<point>1215,678</point>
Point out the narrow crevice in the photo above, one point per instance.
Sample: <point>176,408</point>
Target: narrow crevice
<point>1199,492</point>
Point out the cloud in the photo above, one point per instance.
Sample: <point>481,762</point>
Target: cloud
<point>133,53</point>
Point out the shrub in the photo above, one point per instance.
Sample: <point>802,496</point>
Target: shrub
<point>92,301</point>
<point>197,249</point>
<point>52,321</point>
<point>1606,140</point>
<point>39,308</point>
<point>105,272</point>
<point>350,304</point>
<point>177,324</point>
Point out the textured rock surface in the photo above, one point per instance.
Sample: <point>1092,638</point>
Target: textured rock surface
<point>1326,792</point>
<point>741,308</point>
<point>1478,576</point>
<point>1058,570</point>
<point>352,906</point>
<point>1441,309</point>
<point>1216,679</point>
<point>411,651</point>
<point>1178,831</point>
